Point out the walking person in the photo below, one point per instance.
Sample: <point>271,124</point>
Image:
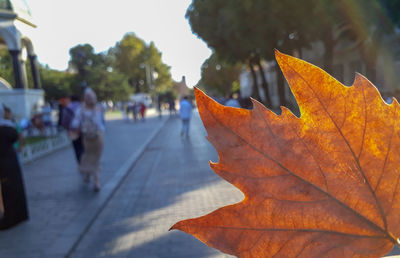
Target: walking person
<point>89,120</point>
<point>171,106</point>
<point>142,111</point>
<point>68,115</point>
<point>185,112</point>
<point>159,107</point>
<point>125,113</point>
<point>11,181</point>
<point>134,108</point>
<point>9,116</point>
<point>62,103</point>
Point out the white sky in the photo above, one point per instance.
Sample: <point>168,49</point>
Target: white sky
<point>63,24</point>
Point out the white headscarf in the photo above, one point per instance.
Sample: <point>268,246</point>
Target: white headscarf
<point>3,121</point>
<point>90,98</point>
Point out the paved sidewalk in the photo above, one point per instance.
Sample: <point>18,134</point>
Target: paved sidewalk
<point>61,205</point>
<point>171,181</point>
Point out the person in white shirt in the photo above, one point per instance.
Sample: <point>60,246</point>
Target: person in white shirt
<point>185,112</point>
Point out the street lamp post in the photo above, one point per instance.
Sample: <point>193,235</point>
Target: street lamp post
<point>147,68</point>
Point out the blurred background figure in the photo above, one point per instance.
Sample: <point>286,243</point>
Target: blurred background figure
<point>232,101</point>
<point>12,185</point>
<point>46,115</point>
<point>62,103</point>
<point>9,116</point>
<point>185,112</point>
<point>159,106</point>
<point>133,107</point>
<point>125,112</point>
<point>47,119</point>
<point>90,121</point>
<point>69,113</point>
<point>171,106</point>
<point>142,109</point>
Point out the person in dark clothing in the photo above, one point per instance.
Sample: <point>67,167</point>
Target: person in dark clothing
<point>69,113</point>
<point>12,185</point>
<point>62,103</point>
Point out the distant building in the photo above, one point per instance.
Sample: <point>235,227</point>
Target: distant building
<point>181,88</point>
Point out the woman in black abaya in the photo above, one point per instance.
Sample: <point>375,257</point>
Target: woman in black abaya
<point>12,185</point>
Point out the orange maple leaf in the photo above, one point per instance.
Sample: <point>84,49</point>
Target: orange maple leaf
<point>326,184</point>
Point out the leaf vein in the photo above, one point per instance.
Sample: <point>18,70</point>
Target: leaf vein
<point>349,147</point>
<point>304,230</point>
<point>307,182</point>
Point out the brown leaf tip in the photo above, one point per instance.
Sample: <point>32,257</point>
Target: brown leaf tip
<point>176,226</point>
<point>173,227</point>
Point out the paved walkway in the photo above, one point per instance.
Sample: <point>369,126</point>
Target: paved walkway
<point>171,181</point>
<point>61,205</point>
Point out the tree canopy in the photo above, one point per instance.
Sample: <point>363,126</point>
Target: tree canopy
<point>246,31</point>
<point>219,77</point>
<point>128,67</point>
<point>142,64</point>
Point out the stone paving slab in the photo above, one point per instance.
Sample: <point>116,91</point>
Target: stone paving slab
<point>61,205</point>
<point>170,182</point>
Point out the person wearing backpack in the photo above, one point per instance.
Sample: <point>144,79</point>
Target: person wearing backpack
<point>89,121</point>
<point>66,119</point>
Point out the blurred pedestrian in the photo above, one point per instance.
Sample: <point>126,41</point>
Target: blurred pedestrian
<point>69,113</point>
<point>12,185</point>
<point>232,101</point>
<point>142,110</point>
<point>46,115</point>
<point>159,107</point>
<point>90,121</point>
<point>185,112</point>
<point>18,144</point>
<point>171,106</point>
<point>134,108</point>
<point>62,103</point>
<point>125,113</point>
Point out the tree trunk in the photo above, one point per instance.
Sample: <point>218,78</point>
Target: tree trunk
<point>264,84</point>
<point>300,52</point>
<point>281,86</point>
<point>370,57</point>
<point>329,45</point>
<point>255,92</point>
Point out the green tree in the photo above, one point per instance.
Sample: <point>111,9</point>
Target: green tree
<point>215,23</point>
<point>247,31</point>
<point>219,77</point>
<point>83,59</point>
<point>96,70</point>
<point>371,23</point>
<point>128,55</point>
<point>6,66</point>
<point>56,84</point>
<point>142,64</point>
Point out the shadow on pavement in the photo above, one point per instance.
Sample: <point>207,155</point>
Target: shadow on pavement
<point>171,181</point>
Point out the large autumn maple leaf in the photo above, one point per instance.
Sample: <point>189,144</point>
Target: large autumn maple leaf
<point>325,184</point>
